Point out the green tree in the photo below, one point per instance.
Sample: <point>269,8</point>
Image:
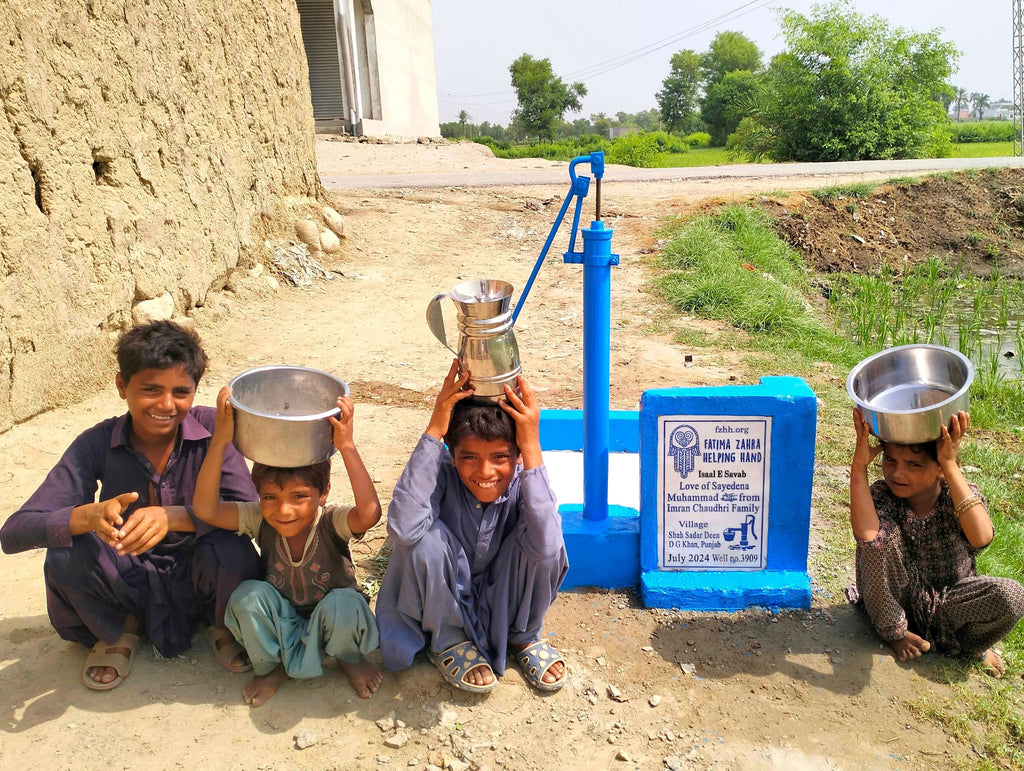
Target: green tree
<point>679,92</point>
<point>726,103</point>
<point>543,97</point>
<point>850,87</point>
<point>960,99</point>
<point>601,123</point>
<point>729,52</point>
<point>463,118</point>
<point>979,103</point>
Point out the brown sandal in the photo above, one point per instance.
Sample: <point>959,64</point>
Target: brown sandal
<point>105,654</point>
<point>226,649</point>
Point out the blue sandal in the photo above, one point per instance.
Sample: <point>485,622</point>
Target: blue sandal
<point>536,659</point>
<point>456,662</point>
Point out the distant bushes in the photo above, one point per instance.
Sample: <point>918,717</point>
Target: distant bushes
<point>698,139</point>
<point>981,131</point>
<point>563,150</point>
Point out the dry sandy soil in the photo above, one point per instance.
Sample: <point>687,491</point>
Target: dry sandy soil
<point>798,690</point>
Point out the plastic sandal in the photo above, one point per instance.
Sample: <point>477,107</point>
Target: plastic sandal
<point>536,659</point>
<point>456,662</point>
<point>225,649</point>
<point>104,654</point>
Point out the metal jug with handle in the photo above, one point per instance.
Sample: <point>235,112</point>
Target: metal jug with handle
<point>487,345</point>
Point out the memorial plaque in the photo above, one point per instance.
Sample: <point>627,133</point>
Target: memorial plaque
<point>713,476</point>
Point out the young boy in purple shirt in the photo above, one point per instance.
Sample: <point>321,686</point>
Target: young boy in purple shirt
<point>135,562</point>
<point>478,548</point>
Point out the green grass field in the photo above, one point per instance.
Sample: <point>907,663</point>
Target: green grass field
<point>698,156</point>
<point>983,150</point>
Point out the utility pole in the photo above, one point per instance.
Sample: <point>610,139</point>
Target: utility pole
<point>1018,78</point>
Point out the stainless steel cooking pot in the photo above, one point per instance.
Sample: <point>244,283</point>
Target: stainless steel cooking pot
<point>906,394</point>
<point>281,414</point>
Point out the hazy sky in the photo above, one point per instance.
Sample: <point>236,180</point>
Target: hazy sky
<point>621,49</point>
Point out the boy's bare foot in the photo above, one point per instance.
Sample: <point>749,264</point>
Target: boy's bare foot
<point>992,663</point>
<point>481,675</point>
<point>910,647</point>
<point>259,689</point>
<point>364,676</point>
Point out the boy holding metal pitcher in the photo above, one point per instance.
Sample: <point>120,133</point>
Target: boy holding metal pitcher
<point>479,554</point>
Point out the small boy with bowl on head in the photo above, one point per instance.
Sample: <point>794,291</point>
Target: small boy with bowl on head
<point>918,531</point>
<point>130,564</point>
<point>308,605</point>
<point>478,549</point>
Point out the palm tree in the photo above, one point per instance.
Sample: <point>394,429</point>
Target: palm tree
<point>978,103</point>
<point>960,98</point>
<point>463,117</point>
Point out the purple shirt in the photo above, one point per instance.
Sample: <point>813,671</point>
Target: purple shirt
<point>430,489</point>
<point>103,458</point>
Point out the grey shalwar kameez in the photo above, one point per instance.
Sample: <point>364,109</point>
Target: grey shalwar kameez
<point>464,570</point>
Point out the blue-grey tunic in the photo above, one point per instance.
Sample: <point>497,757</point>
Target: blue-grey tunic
<point>464,570</point>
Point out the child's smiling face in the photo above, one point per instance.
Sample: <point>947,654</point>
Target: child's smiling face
<point>910,474</point>
<point>485,466</point>
<point>291,508</point>
<point>158,400</point>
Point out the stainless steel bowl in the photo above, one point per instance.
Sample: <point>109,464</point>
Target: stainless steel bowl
<point>281,414</point>
<point>906,394</point>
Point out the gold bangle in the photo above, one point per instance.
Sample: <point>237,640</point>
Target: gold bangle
<point>967,503</point>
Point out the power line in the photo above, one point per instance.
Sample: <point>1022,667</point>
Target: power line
<point>628,57</point>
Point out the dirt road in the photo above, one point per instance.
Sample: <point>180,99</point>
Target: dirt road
<point>797,690</point>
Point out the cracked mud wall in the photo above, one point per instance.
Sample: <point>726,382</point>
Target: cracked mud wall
<point>145,146</point>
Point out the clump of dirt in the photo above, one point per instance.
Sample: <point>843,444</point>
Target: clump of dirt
<point>971,219</point>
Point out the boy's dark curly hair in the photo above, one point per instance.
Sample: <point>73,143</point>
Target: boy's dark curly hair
<point>317,476</point>
<point>160,345</point>
<point>931,449</point>
<point>480,417</point>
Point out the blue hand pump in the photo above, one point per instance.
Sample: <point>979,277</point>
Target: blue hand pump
<point>597,261</point>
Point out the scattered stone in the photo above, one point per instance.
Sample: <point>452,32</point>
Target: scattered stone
<point>397,741</point>
<point>600,661</point>
<point>688,669</point>
<point>256,270</point>
<point>458,765</point>
<point>857,238</point>
<point>329,242</point>
<point>647,649</point>
<point>185,322</point>
<point>308,233</point>
<point>655,700</point>
<point>413,762</point>
<point>387,722</point>
<point>615,693</point>
<point>624,756</point>
<point>157,309</point>
<point>334,221</point>
<point>383,760</point>
<point>673,763</point>
<point>305,739</point>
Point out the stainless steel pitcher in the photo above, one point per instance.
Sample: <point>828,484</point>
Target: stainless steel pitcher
<point>487,344</point>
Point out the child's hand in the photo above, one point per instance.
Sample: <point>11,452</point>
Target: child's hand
<point>948,445</point>
<point>865,451</point>
<point>525,411</point>
<point>105,518</point>
<point>224,423</point>
<point>144,530</point>
<point>454,389</point>
<point>344,435</point>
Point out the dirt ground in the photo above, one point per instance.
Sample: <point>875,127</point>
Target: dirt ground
<point>797,690</point>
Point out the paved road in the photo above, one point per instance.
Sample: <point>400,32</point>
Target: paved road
<point>334,181</point>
